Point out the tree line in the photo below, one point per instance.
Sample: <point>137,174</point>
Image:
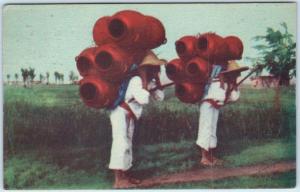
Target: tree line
<point>29,75</point>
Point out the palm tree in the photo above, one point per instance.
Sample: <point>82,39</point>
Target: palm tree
<point>56,76</point>
<point>8,77</point>
<point>61,77</point>
<point>47,76</point>
<point>31,74</point>
<point>16,76</point>
<point>25,74</point>
<point>42,78</point>
<point>72,76</point>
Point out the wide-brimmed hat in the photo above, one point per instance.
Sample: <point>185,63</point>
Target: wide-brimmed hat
<point>152,59</point>
<point>233,67</point>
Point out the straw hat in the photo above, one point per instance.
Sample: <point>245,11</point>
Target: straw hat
<point>152,59</point>
<point>233,67</point>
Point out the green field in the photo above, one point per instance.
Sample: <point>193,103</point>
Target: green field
<point>53,141</point>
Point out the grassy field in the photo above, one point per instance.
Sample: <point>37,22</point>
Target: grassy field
<point>53,141</point>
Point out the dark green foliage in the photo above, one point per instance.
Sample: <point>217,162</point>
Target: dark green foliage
<point>278,53</point>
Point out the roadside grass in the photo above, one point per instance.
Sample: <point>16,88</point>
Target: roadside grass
<point>84,168</point>
<point>25,171</point>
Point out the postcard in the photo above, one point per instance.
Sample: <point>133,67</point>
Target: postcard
<point>149,96</point>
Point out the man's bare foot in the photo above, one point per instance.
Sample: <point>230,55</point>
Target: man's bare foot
<point>214,162</point>
<point>121,184</point>
<point>126,182</point>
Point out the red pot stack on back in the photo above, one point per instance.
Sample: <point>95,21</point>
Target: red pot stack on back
<point>121,41</point>
<point>197,55</point>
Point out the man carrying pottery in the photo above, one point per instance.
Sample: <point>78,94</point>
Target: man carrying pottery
<point>124,116</point>
<point>221,89</point>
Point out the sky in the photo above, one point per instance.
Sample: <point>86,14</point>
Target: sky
<point>49,37</point>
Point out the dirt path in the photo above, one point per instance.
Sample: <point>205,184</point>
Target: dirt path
<point>207,174</point>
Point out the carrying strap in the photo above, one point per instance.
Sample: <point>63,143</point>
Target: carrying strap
<point>125,106</point>
<point>123,88</point>
<point>214,74</point>
<point>214,103</point>
<point>216,70</point>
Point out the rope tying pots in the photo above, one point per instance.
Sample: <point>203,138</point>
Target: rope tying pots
<point>197,57</point>
<point>122,40</point>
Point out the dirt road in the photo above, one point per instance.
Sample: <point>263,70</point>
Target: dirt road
<point>208,174</point>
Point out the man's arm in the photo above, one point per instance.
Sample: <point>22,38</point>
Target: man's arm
<point>138,92</point>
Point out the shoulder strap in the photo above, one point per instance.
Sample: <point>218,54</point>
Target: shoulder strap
<point>213,103</point>
<point>125,106</point>
<point>123,89</point>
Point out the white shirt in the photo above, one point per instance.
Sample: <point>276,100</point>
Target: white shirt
<point>136,91</point>
<point>217,93</point>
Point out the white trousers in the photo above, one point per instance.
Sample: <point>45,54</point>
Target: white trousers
<point>207,133</point>
<point>122,133</point>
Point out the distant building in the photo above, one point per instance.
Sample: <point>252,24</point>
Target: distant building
<point>266,81</point>
<point>76,82</point>
<point>36,82</point>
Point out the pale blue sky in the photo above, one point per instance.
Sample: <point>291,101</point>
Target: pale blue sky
<point>48,37</point>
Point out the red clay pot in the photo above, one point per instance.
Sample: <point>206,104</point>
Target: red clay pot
<point>85,61</point>
<point>189,92</point>
<point>175,70</point>
<point>186,47</point>
<point>212,48</point>
<point>100,31</point>
<point>127,28</point>
<point>112,61</point>
<point>197,70</point>
<point>155,34</point>
<point>235,46</point>
<point>97,93</point>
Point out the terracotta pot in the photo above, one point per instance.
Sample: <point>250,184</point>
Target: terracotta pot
<point>212,48</point>
<point>197,70</point>
<point>127,28</point>
<point>185,47</point>
<point>100,31</point>
<point>154,32</point>
<point>97,93</point>
<point>175,70</point>
<point>189,92</point>
<point>112,61</point>
<point>85,61</point>
<point>235,46</point>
